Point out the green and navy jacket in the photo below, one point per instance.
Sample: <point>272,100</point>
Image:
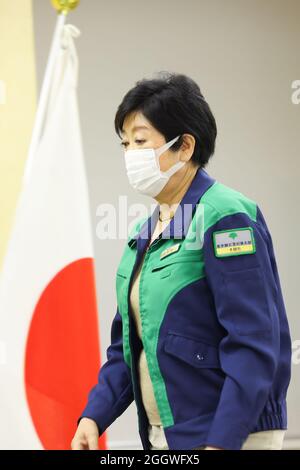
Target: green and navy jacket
<point>214,325</point>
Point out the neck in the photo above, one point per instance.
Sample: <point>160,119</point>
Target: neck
<point>174,195</point>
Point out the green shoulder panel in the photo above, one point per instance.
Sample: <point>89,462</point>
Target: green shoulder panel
<point>220,201</point>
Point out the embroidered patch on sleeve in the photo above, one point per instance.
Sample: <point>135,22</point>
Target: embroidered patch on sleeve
<point>239,241</point>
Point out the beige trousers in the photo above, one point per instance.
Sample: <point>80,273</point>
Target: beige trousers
<point>263,440</point>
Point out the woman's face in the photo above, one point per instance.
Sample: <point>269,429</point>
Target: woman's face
<point>139,133</point>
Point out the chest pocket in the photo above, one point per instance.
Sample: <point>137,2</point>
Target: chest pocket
<point>123,275</point>
<point>194,352</point>
<point>122,281</point>
<point>184,260</point>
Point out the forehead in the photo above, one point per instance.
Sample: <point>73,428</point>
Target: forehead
<point>134,122</point>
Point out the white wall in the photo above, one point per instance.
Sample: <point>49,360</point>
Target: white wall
<point>245,56</point>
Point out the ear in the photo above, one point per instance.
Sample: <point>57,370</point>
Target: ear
<point>187,147</point>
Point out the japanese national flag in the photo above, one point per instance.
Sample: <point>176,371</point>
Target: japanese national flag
<point>49,348</point>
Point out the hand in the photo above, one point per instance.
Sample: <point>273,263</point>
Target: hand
<point>86,436</point>
<point>212,448</point>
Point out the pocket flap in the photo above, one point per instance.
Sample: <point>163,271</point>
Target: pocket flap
<point>194,352</point>
<point>177,258</point>
<point>122,273</point>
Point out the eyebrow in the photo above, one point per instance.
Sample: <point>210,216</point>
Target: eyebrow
<point>137,127</point>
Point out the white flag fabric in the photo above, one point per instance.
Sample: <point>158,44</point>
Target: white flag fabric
<point>49,345</point>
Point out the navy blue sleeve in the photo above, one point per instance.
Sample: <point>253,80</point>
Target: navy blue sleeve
<point>244,291</point>
<point>113,393</point>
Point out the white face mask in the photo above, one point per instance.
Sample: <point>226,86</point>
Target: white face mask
<point>143,169</point>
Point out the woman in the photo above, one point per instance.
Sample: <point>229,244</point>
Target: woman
<point>200,339</point>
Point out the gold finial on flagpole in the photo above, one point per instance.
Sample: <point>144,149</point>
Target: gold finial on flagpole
<point>64,6</point>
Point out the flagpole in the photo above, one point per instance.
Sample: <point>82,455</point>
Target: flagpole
<point>63,7</point>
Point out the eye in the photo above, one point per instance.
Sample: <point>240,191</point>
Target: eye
<point>138,141</point>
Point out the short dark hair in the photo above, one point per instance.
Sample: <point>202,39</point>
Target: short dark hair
<point>174,105</point>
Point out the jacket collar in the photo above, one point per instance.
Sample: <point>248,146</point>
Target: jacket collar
<point>179,224</point>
